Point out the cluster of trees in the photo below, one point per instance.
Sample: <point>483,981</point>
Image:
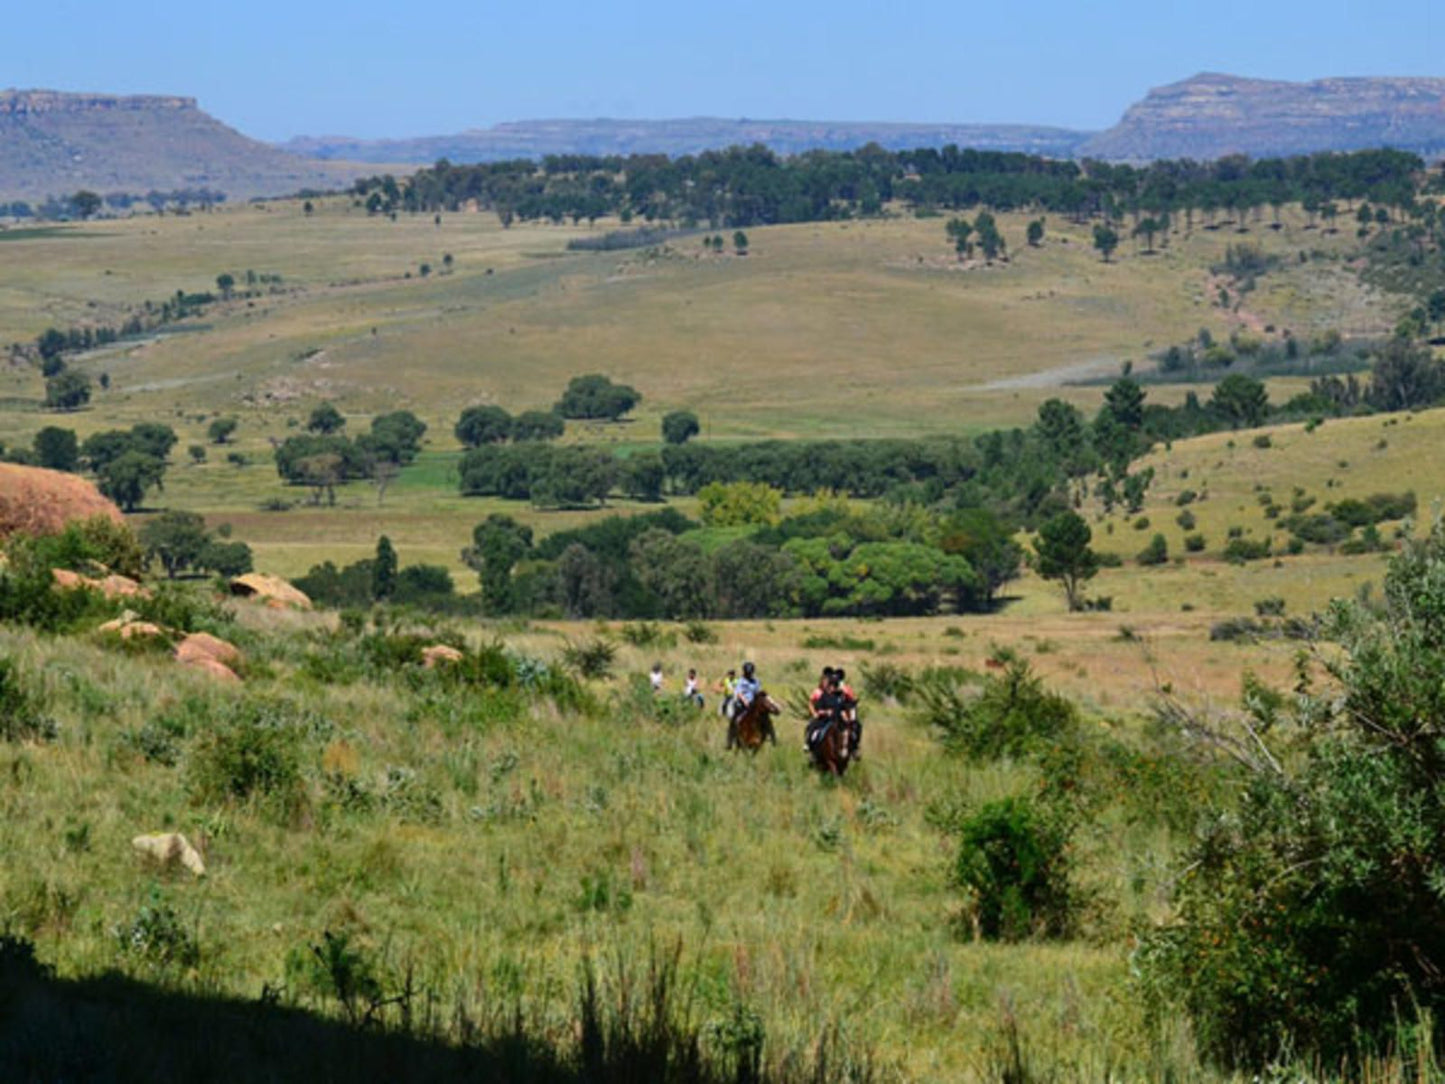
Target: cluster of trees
<point>830,559</point>
<point>127,463</point>
<point>324,458</point>
<point>376,579</point>
<point>181,542</point>
<point>746,186</point>
<point>50,346</point>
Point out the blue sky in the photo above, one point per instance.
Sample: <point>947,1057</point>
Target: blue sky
<point>372,68</point>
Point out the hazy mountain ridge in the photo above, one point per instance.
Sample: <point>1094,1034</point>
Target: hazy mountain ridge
<point>685,135</point>
<point>53,142</point>
<point>1212,115</point>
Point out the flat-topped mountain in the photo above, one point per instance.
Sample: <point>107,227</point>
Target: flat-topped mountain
<point>53,143</point>
<point>1212,115</point>
<point>687,135</point>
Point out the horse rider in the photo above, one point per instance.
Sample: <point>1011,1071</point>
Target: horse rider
<point>746,690</point>
<point>850,713</point>
<point>726,688</point>
<point>828,710</point>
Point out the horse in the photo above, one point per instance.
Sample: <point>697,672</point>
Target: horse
<point>754,725</point>
<point>830,750</point>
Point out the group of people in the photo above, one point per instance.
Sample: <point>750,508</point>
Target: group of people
<point>832,703</point>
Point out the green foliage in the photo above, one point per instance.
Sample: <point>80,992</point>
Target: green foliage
<point>325,420</point>
<point>537,425</point>
<point>128,478</point>
<point>1013,859</point>
<point>1156,552</point>
<point>1311,915</point>
<point>251,753</point>
<point>481,425</point>
<point>1012,716</point>
<point>1238,551</point>
<point>157,936</point>
<point>1063,554</point>
<point>595,396</point>
<point>737,504</point>
<point>383,570</point>
<point>67,390</point>
<point>679,426</point>
<point>57,449</point>
<point>22,717</point>
<point>591,659</point>
<point>176,538</point>
<point>1241,399</point>
<point>221,429</point>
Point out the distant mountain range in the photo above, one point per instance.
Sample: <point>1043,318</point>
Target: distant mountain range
<point>53,143</point>
<point>688,135</point>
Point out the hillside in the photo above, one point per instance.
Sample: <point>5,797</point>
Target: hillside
<point>53,143</point>
<point>689,135</point>
<point>1211,115</point>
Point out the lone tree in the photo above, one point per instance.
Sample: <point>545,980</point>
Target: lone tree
<point>325,419</point>
<point>221,429</point>
<point>86,203</point>
<point>57,448</point>
<point>1063,554</point>
<point>740,243</point>
<point>1106,241</point>
<point>177,539</point>
<point>959,231</point>
<point>595,396</point>
<point>680,426</point>
<point>226,283</point>
<point>1036,233</point>
<point>67,390</point>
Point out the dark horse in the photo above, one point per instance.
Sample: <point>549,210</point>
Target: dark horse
<point>830,746</point>
<point>830,741</point>
<point>754,725</point>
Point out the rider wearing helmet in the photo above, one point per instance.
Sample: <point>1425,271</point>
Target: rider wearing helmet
<point>849,713</point>
<point>746,689</point>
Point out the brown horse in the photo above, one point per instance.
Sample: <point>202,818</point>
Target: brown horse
<point>755,725</point>
<point>830,751</point>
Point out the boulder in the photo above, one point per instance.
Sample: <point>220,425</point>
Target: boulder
<point>170,849</point>
<point>128,626</point>
<point>202,645</point>
<point>212,667</point>
<point>272,590</point>
<point>437,654</point>
<point>111,586</point>
<point>34,500</point>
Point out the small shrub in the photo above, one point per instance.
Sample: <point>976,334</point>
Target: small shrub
<point>1188,496</point>
<point>1263,440</point>
<point>1195,543</point>
<point>252,754</point>
<point>1269,607</point>
<point>886,681</point>
<point>1142,523</point>
<point>1186,520</point>
<point>591,659</point>
<point>1236,629</point>
<point>1156,552</point>
<point>156,934</point>
<point>21,714</point>
<point>1239,550</point>
<point>699,632</point>
<point>1012,716</point>
<point>647,634</point>
<point>1013,860</point>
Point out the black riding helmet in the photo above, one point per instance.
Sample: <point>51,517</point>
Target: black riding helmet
<point>748,669</point>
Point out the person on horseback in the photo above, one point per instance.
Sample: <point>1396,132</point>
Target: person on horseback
<point>850,714</point>
<point>726,687</point>
<point>827,707</point>
<point>748,686</point>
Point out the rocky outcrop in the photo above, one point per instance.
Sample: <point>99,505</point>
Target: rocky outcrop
<point>1212,115</point>
<point>170,849</point>
<point>38,501</point>
<point>272,590</point>
<point>53,142</point>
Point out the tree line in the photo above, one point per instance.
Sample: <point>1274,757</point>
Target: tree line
<point>753,186</point>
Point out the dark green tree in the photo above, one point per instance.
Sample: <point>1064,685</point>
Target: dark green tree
<point>68,390</point>
<point>643,476</point>
<point>127,478</point>
<point>537,425</point>
<point>1063,554</point>
<point>740,243</point>
<point>679,426</point>
<point>325,419</point>
<point>1405,376</point>
<point>1036,232</point>
<point>220,430</point>
<point>57,449</point>
<point>86,203</point>
<point>595,396</point>
<point>480,425</point>
<point>226,282</point>
<point>176,538</point>
<point>1106,240</point>
<point>383,570</point>
<point>498,543</point>
<point>1241,399</point>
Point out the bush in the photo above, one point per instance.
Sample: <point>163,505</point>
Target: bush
<point>1156,552</point>
<point>1013,860</point>
<point>156,934</point>
<point>1239,550</point>
<point>1269,607</point>
<point>886,681</point>
<point>1012,716</point>
<point>1194,543</point>
<point>1287,936</point>
<point>590,659</point>
<point>252,754</point>
<point>1186,520</point>
<point>21,717</point>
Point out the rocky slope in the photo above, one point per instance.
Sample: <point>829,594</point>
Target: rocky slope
<point>53,143</point>
<point>1212,115</point>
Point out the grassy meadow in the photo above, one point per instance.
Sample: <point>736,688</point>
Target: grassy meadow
<point>488,843</point>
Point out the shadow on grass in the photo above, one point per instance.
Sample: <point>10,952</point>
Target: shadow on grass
<point>116,1029</point>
